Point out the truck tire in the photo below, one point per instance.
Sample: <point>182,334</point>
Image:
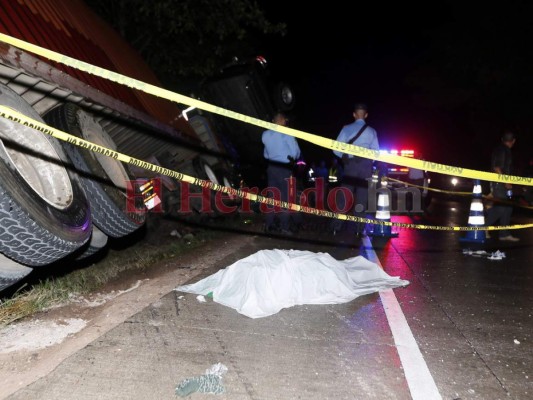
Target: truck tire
<point>43,208</point>
<point>98,242</point>
<point>11,272</point>
<point>104,178</point>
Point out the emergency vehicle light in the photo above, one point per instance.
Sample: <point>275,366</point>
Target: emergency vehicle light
<point>404,153</point>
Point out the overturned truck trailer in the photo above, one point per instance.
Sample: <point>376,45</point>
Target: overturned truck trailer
<point>58,200</point>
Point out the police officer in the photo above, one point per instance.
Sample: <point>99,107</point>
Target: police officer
<point>357,170</point>
<point>280,150</point>
<point>502,163</point>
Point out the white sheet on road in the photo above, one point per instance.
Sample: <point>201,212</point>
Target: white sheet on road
<point>267,281</point>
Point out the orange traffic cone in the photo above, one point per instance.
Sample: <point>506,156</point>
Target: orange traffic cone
<point>383,213</point>
<point>476,217</point>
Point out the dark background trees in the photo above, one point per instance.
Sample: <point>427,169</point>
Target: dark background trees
<point>445,78</point>
<point>186,40</point>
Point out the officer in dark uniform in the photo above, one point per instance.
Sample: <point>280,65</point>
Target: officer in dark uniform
<point>502,163</point>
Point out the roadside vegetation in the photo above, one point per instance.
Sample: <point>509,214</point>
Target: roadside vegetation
<point>51,291</point>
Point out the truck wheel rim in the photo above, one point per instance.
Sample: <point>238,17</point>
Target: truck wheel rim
<point>37,162</point>
<point>93,132</point>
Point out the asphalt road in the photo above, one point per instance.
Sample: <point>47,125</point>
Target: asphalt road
<point>462,328</point>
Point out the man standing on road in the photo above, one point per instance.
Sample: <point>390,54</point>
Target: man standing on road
<point>357,170</point>
<point>502,163</point>
<point>280,151</point>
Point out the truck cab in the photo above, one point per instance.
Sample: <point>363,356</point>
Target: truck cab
<point>247,87</point>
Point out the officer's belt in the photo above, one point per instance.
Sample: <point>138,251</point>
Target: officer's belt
<point>287,165</point>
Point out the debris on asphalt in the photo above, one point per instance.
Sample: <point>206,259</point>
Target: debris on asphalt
<point>497,255</point>
<point>478,253</point>
<point>516,341</point>
<point>210,382</point>
<point>201,298</point>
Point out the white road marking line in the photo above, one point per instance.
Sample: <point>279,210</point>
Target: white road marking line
<point>419,379</point>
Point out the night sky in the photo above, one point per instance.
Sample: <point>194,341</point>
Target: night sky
<point>441,78</point>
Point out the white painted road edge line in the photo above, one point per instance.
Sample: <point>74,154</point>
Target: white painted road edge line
<point>419,379</point>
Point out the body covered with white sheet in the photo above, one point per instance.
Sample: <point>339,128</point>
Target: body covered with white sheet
<point>267,281</point>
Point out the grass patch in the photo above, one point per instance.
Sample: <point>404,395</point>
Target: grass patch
<point>54,291</point>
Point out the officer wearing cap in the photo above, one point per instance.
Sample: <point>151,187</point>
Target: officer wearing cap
<point>357,170</point>
<point>280,151</point>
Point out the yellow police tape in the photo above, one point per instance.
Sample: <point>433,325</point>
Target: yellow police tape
<point>318,140</point>
<point>454,193</point>
<point>15,116</point>
<point>430,189</point>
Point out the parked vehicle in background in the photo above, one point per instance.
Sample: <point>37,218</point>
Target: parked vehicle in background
<point>405,189</point>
